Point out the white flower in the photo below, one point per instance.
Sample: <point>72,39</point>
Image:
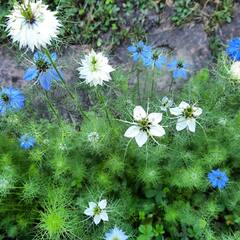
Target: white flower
<point>187,115</point>
<point>95,69</point>
<point>93,137</point>
<point>166,103</point>
<point>97,211</point>
<point>32,25</point>
<point>144,125</point>
<point>235,70</point>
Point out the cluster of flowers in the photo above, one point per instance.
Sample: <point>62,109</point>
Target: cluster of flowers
<point>33,25</point>
<point>152,58</point>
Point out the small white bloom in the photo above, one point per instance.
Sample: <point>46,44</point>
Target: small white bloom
<point>62,146</point>
<point>32,25</point>
<point>93,137</point>
<point>187,115</point>
<point>235,70</point>
<point>97,211</point>
<point>144,125</point>
<point>95,69</point>
<point>166,103</point>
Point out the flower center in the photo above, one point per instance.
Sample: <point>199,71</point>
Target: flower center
<point>27,13</point>
<point>5,98</point>
<point>188,112</point>
<point>139,49</point>
<point>42,65</point>
<point>144,124</point>
<point>219,178</point>
<point>155,56</point>
<point>115,238</point>
<point>180,64</point>
<point>94,64</point>
<point>97,210</point>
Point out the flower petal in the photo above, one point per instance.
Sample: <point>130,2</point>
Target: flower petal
<point>104,215</point>
<point>155,118</point>
<point>176,111</point>
<point>30,74</point>
<point>184,105</point>
<point>89,212</point>
<point>45,81</point>
<point>102,204</point>
<point>157,130</point>
<point>97,219</point>
<point>191,122</point>
<point>139,113</point>
<point>92,204</point>
<point>141,138</point>
<point>197,111</point>
<point>132,132</point>
<point>181,124</point>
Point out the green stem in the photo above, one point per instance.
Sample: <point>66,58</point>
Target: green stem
<point>66,87</point>
<point>171,86</point>
<point>153,82</point>
<point>138,85</point>
<point>102,101</point>
<point>55,112</point>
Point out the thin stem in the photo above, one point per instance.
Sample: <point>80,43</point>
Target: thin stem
<point>73,96</point>
<point>171,86</point>
<point>102,101</point>
<point>55,112</point>
<point>138,85</point>
<point>153,82</point>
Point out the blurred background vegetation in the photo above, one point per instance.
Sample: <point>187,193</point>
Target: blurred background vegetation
<point>109,22</point>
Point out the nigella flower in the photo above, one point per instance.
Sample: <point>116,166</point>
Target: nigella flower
<point>27,142</point>
<point>42,71</point>
<point>11,99</point>
<point>233,49</point>
<point>115,234</point>
<point>154,59</point>
<point>187,115</point>
<point>144,126</point>
<point>32,25</point>
<point>178,69</point>
<point>235,70</point>
<point>166,103</point>
<point>218,179</point>
<point>95,69</point>
<point>97,211</point>
<point>93,137</point>
<point>139,51</point>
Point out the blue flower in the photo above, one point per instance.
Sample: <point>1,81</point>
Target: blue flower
<point>27,142</point>
<point>179,69</point>
<point>154,60</point>
<point>43,70</point>
<point>11,99</point>
<point>218,178</point>
<point>115,234</point>
<point>233,49</point>
<point>140,51</point>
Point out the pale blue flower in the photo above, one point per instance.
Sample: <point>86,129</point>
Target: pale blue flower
<point>115,234</point>
<point>27,142</point>
<point>139,51</point>
<point>178,69</point>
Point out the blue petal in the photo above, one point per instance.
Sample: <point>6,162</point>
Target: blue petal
<point>132,49</point>
<point>54,56</point>
<point>54,74</point>
<point>30,74</point>
<point>45,81</point>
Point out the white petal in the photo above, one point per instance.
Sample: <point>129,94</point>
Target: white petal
<point>157,130</point>
<point>155,118</point>
<point>176,111</point>
<point>104,216</point>
<point>97,219</point>
<point>92,204</point>
<point>184,105</point>
<point>141,138</point>
<point>191,124</point>
<point>181,124</point>
<point>197,111</point>
<point>89,212</point>
<point>102,204</point>
<point>139,113</point>
<point>132,132</point>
